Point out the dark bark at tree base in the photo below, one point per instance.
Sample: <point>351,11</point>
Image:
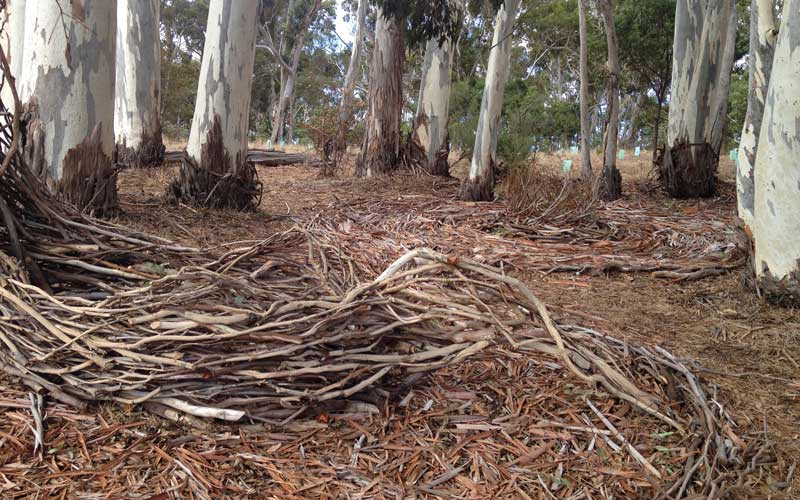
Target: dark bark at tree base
<point>689,171</point>
<point>479,189</point>
<point>89,179</point>
<point>784,292</point>
<point>382,162</point>
<point>415,158</point>
<point>441,164</point>
<point>149,154</point>
<point>216,182</point>
<point>609,186</point>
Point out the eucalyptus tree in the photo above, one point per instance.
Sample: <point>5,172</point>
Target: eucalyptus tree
<point>763,35</point>
<point>433,105</point>
<point>217,173</point>
<point>610,187</point>
<point>68,81</point>
<point>479,185</point>
<point>646,29</point>
<point>703,55</point>
<point>137,120</point>
<point>398,22</point>
<point>297,20</point>
<point>586,132</point>
<point>430,124</point>
<point>13,36</point>
<point>776,225</point>
<point>351,77</point>
<point>381,151</point>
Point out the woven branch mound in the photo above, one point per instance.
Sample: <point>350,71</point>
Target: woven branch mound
<point>277,330</point>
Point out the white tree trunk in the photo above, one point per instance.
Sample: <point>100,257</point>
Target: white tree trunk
<point>776,226</point>
<point>353,68</point>
<point>479,186</point>
<point>137,122</point>
<point>220,176</point>
<point>586,131</point>
<point>705,36</point>
<point>762,50</point>
<point>69,75</point>
<point>13,38</point>
<point>226,79</point>
<point>380,153</point>
<point>433,109</point>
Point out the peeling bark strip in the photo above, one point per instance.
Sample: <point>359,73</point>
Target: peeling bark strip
<point>90,180</point>
<point>216,181</point>
<point>776,225</point>
<point>69,78</point>
<point>380,153</point>
<point>138,84</point>
<point>705,36</point>
<point>683,174</point>
<point>218,174</point>
<point>762,51</point>
<point>479,186</point>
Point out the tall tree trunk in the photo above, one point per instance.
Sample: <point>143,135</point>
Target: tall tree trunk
<point>13,38</point>
<point>660,98</point>
<point>705,36</point>
<point>380,153</point>
<point>762,50</point>
<point>433,109</point>
<point>611,179</point>
<point>289,75</point>
<point>776,225</point>
<point>217,173</point>
<point>137,120</point>
<point>69,78</point>
<point>586,131</point>
<point>350,79</point>
<point>479,186</point>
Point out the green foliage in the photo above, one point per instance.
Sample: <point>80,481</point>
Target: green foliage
<point>737,107</point>
<point>426,19</point>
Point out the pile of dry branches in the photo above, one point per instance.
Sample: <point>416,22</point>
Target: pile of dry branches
<point>288,327</point>
<point>547,198</point>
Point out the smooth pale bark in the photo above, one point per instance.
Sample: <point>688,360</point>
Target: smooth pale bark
<point>479,186</point>
<point>586,132</point>
<point>776,225</point>
<point>611,179</point>
<point>226,78</point>
<point>433,108</point>
<point>762,50</point>
<point>68,77</point>
<point>13,38</point>
<point>217,174</point>
<point>350,79</point>
<point>380,153</point>
<point>705,36</point>
<point>137,121</point>
<point>289,80</point>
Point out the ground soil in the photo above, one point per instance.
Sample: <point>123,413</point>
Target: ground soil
<point>747,348</point>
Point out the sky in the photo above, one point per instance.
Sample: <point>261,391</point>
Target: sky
<point>344,28</point>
